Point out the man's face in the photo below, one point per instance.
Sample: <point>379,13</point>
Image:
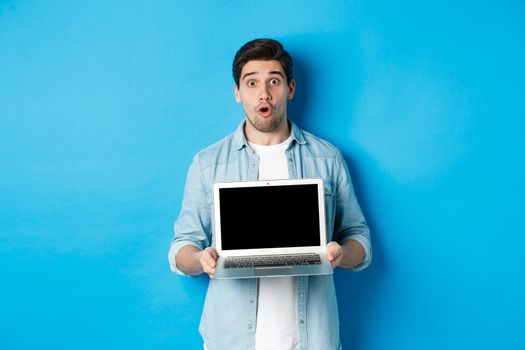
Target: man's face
<point>264,94</point>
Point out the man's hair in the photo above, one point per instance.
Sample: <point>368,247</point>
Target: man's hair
<point>263,50</point>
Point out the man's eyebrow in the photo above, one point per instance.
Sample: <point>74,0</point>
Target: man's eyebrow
<point>269,73</point>
<point>277,72</point>
<point>248,74</point>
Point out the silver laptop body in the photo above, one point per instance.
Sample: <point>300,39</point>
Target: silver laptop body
<point>270,228</point>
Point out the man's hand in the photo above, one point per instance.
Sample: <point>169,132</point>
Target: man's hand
<point>193,261</point>
<point>334,253</point>
<point>208,259</point>
<point>348,255</point>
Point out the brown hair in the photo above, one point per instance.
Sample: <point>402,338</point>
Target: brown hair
<point>265,50</point>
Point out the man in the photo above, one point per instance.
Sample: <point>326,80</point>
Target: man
<point>281,312</point>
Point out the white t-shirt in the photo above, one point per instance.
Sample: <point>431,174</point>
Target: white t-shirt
<point>277,298</point>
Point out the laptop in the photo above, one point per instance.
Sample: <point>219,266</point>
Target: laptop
<point>270,228</point>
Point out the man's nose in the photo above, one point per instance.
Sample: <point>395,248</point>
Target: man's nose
<point>264,94</point>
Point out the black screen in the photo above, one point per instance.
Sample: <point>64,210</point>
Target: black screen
<point>269,217</point>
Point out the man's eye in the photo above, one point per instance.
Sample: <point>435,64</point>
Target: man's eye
<point>251,83</point>
<point>274,82</point>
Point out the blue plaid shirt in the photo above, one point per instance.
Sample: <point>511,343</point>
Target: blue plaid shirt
<point>230,310</point>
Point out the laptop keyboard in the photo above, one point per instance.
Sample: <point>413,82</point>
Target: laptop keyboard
<point>269,261</point>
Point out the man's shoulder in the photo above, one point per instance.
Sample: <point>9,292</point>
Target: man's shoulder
<point>319,147</point>
<point>225,142</point>
<point>216,151</point>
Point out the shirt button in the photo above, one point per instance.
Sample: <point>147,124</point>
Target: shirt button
<point>301,321</point>
<point>251,301</point>
<point>301,295</point>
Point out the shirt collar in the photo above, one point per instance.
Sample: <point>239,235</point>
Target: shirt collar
<point>239,139</point>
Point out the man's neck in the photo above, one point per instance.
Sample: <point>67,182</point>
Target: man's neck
<point>268,138</point>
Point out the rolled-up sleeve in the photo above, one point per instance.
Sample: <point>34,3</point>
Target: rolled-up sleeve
<point>193,226</point>
<point>350,222</point>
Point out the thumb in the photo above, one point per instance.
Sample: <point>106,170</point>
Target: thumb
<point>213,253</point>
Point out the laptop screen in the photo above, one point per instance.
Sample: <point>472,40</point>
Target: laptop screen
<point>269,217</point>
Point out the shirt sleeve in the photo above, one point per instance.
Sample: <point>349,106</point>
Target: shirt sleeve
<point>350,222</point>
<point>193,226</point>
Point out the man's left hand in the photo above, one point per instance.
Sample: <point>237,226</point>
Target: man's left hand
<point>334,253</point>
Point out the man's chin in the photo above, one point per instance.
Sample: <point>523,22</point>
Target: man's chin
<point>267,127</point>
<point>268,124</point>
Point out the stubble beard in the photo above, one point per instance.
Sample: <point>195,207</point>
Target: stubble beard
<point>269,124</point>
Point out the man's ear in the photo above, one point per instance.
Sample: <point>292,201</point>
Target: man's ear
<point>291,89</point>
<point>237,93</point>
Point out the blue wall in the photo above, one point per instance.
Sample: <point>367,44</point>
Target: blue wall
<point>104,103</point>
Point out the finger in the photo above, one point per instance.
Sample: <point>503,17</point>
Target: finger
<point>214,253</point>
<point>209,263</point>
<point>207,268</point>
<point>210,271</point>
<point>332,247</point>
<point>334,253</point>
<point>212,259</point>
<point>212,263</point>
<point>214,256</point>
<point>335,261</point>
<point>333,257</point>
<point>209,255</point>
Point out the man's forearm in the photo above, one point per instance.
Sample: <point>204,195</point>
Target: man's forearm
<point>188,260</point>
<point>353,254</point>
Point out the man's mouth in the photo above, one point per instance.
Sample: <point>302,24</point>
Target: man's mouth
<point>264,111</point>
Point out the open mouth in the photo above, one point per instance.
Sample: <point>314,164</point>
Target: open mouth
<point>265,111</point>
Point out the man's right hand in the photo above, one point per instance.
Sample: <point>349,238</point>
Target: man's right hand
<point>208,259</point>
<point>193,261</point>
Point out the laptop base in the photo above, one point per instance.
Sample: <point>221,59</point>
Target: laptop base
<point>325,268</point>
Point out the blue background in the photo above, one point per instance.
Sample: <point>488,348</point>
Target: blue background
<point>104,103</point>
